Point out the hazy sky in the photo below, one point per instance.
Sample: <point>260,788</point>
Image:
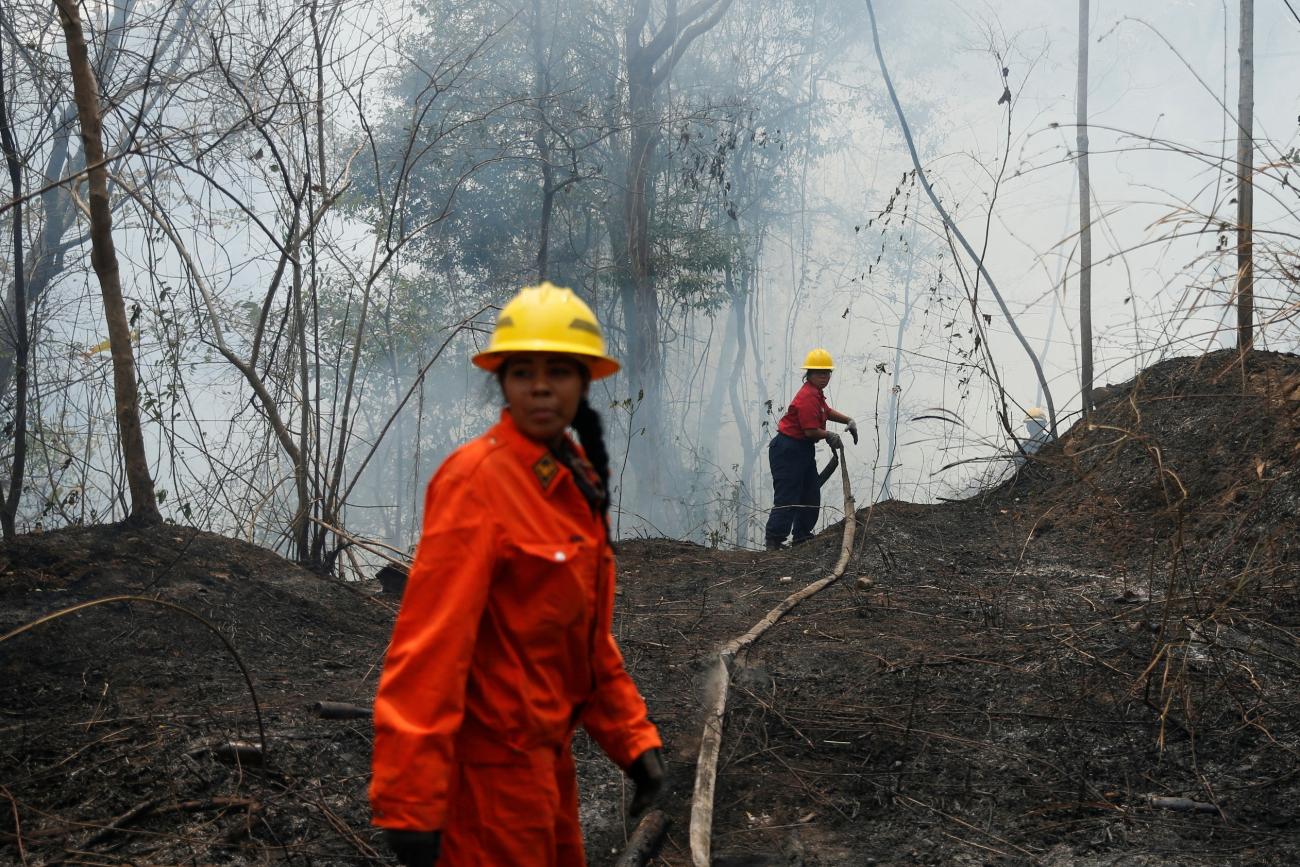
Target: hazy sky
<point>1159,71</point>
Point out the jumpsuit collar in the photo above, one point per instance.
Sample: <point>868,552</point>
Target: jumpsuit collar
<point>549,471</point>
<point>551,467</point>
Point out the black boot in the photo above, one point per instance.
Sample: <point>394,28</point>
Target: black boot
<point>774,545</point>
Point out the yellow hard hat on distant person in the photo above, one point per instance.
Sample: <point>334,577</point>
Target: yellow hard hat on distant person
<point>818,359</point>
<point>1035,413</point>
<point>548,318</point>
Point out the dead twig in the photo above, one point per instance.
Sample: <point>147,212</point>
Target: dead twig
<point>18,826</point>
<point>365,849</point>
<point>968,826</point>
<point>144,808</point>
<point>369,545</point>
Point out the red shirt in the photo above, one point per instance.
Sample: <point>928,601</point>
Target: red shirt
<point>808,411</point>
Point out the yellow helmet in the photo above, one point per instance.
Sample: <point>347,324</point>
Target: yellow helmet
<point>818,359</point>
<point>1035,413</point>
<point>548,318</point>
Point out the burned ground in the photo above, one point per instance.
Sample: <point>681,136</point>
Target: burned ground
<point>1095,663</point>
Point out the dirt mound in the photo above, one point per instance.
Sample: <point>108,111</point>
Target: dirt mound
<point>1197,452</point>
<point>1096,662</point>
<point>117,720</point>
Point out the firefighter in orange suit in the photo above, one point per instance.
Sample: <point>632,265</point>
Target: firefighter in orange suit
<point>503,643</point>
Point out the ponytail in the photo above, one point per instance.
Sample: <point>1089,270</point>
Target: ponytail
<point>591,435</point>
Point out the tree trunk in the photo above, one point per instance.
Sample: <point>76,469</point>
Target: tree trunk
<point>302,526</point>
<point>9,507</point>
<point>1085,215</point>
<point>542,84</point>
<point>748,444</point>
<point>1245,181</point>
<point>648,65</point>
<point>642,321</point>
<point>710,419</point>
<point>653,461</point>
<point>896,388</point>
<point>103,257</point>
<point>544,233</point>
<point>45,257</point>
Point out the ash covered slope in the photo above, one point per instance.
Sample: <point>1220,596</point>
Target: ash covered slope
<point>109,717</point>
<point>1033,666</point>
<point>1203,447</point>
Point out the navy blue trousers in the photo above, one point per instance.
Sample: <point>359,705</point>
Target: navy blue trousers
<point>797,492</point>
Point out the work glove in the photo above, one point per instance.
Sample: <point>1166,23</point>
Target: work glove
<point>853,431</point>
<point>833,440</point>
<point>647,774</point>
<point>414,848</point>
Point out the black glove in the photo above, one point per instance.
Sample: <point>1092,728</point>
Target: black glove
<point>647,774</point>
<point>833,440</point>
<point>414,848</point>
<point>853,431</point>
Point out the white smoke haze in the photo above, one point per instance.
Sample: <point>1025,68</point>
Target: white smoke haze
<point>336,195</point>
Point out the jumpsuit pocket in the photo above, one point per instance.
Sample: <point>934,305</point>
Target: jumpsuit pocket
<point>547,577</point>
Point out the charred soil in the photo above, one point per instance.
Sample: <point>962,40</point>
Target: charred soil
<point>1096,662</point>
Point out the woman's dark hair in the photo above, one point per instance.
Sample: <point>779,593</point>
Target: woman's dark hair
<point>591,434</point>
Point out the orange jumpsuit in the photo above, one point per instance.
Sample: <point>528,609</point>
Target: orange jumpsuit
<point>501,648</point>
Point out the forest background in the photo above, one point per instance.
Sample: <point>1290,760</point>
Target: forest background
<point>317,207</point>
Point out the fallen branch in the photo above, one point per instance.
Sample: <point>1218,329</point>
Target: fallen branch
<point>1184,805</point>
<point>340,710</point>
<point>155,806</point>
<point>341,828</point>
<point>142,809</point>
<point>18,825</point>
<point>236,753</point>
<point>706,767</point>
<point>150,807</point>
<point>369,545</point>
<point>646,840</point>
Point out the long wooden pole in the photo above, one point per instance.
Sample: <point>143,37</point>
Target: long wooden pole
<point>1245,181</point>
<point>1085,214</point>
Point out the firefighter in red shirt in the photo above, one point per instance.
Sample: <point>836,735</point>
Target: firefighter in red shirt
<point>503,644</point>
<point>796,487</point>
